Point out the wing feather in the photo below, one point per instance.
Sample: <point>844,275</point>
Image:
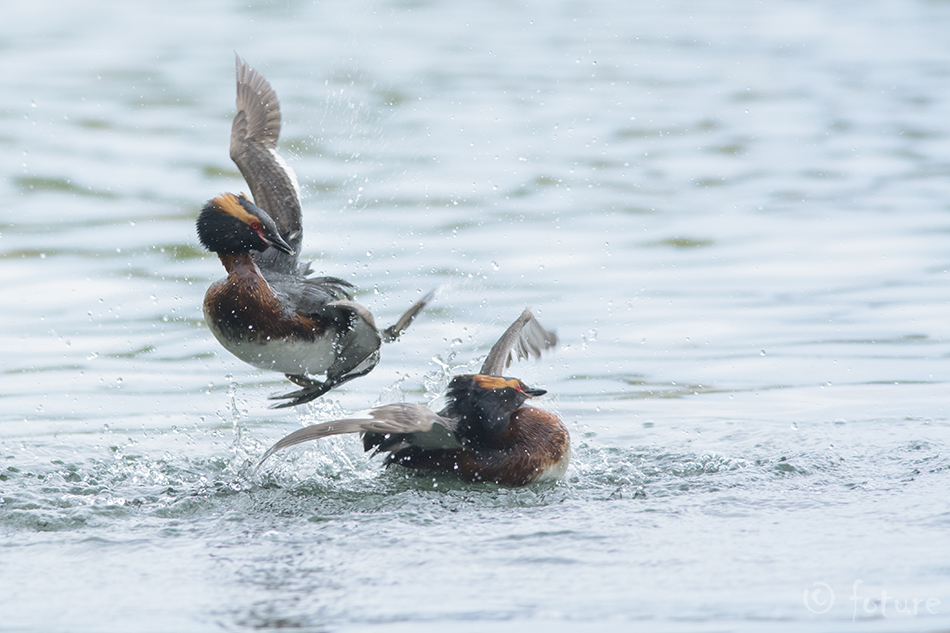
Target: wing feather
<point>401,418</point>
<point>394,331</point>
<point>525,338</point>
<point>254,135</point>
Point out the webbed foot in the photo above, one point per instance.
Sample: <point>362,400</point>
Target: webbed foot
<point>312,389</point>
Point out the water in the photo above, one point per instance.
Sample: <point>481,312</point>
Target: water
<point>735,215</point>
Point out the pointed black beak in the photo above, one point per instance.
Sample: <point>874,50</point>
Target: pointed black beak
<point>278,242</point>
<point>268,232</point>
<point>534,392</point>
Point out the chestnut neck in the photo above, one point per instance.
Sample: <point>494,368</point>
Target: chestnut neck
<point>241,264</point>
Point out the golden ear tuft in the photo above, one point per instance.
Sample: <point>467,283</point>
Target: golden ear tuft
<point>230,204</point>
<point>495,382</point>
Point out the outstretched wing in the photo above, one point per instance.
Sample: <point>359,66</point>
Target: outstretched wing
<point>524,338</point>
<point>394,331</point>
<point>254,134</point>
<point>392,419</point>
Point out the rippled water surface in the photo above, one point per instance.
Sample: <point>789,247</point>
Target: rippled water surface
<point>736,215</point>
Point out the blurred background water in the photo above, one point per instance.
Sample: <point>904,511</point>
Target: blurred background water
<point>736,215</point>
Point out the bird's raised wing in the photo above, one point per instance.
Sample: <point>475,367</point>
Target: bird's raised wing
<point>524,338</point>
<point>394,331</point>
<point>401,418</point>
<point>254,134</point>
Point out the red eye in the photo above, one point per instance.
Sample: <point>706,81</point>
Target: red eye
<point>256,226</point>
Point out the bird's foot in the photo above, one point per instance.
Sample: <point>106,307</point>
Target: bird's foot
<point>312,389</point>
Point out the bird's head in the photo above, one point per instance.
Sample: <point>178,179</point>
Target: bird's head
<point>231,224</point>
<point>485,404</point>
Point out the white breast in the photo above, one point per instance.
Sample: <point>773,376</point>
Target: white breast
<point>286,357</point>
<point>558,470</point>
